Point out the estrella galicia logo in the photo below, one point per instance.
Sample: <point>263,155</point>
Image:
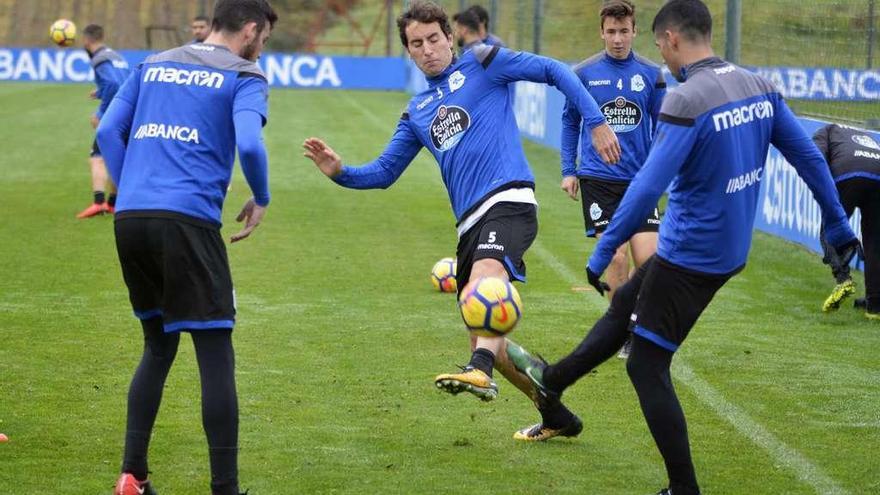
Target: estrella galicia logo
<point>866,141</point>
<point>449,127</point>
<point>622,115</point>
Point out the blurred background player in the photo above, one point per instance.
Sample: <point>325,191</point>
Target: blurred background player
<point>465,120</point>
<point>854,158</point>
<point>629,90</point>
<point>483,16</point>
<point>707,231</point>
<point>467,30</point>
<point>111,70</point>
<point>200,28</point>
<point>170,138</point>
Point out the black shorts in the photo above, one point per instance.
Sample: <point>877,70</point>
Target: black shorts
<point>95,150</point>
<point>600,199</point>
<point>176,269</point>
<point>670,300</point>
<point>504,233</point>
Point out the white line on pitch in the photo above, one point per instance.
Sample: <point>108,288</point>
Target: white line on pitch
<point>805,470</point>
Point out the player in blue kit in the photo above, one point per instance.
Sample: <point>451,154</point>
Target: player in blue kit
<point>111,70</point>
<point>465,119</point>
<point>169,139</point>
<point>629,90</point>
<point>712,138</point>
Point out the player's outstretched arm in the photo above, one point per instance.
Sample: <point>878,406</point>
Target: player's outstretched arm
<point>504,66</point>
<point>328,161</point>
<point>378,174</point>
<point>672,146</point>
<point>797,147</point>
<point>571,133</point>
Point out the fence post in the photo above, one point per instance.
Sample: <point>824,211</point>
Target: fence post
<point>520,24</point>
<point>493,16</point>
<point>872,32</point>
<point>733,31</point>
<point>539,15</point>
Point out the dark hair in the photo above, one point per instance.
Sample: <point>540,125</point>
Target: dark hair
<point>426,12</point>
<point>618,9</point>
<point>468,19</point>
<point>202,17</point>
<point>232,15</point>
<point>481,13</point>
<point>689,17</point>
<point>94,31</point>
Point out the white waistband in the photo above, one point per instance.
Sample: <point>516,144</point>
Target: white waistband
<point>522,195</point>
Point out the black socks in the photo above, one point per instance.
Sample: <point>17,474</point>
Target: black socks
<point>483,360</point>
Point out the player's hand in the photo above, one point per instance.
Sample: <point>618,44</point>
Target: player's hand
<point>605,143</point>
<point>571,185</point>
<point>593,279</point>
<point>95,121</point>
<point>324,157</point>
<point>252,214</point>
<point>848,251</point>
<point>93,94</point>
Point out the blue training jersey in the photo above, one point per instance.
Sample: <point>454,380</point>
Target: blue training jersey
<point>629,93</point>
<point>465,119</point>
<point>711,143</point>
<point>111,71</point>
<point>182,136</point>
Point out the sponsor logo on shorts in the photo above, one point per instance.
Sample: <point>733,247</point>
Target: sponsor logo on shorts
<point>456,81</point>
<point>866,141</point>
<point>622,115</point>
<point>449,127</point>
<point>176,132</point>
<point>595,211</point>
<point>184,77</point>
<point>490,246</point>
<point>637,83</point>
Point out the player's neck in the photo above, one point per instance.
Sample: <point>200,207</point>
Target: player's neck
<point>695,53</point>
<point>220,38</point>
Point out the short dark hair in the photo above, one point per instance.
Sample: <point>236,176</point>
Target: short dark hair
<point>481,13</point>
<point>94,31</point>
<point>426,12</point>
<point>202,17</point>
<point>232,15</point>
<point>618,9</point>
<point>468,19</point>
<point>689,17</point>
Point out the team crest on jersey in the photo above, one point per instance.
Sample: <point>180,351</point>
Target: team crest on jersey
<point>456,81</point>
<point>622,115</point>
<point>595,212</point>
<point>449,127</point>
<point>866,141</point>
<point>637,83</point>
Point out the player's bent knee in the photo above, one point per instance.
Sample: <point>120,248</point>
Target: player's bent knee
<point>487,267</point>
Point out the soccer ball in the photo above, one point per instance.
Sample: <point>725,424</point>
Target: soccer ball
<point>490,307</point>
<point>443,275</point>
<point>62,32</point>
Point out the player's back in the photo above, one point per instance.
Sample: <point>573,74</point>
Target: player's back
<point>713,199</point>
<point>113,67</point>
<point>182,139</point>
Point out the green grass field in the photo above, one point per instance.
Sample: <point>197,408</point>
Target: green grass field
<point>340,335</point>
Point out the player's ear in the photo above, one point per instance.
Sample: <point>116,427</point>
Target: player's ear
<point>250,31</point>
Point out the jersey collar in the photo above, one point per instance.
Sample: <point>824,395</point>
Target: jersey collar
<point>690,69</point>
<point>617,61</point>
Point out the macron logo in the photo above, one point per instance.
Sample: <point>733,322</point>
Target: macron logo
<point>742,115</point>
<point>184,77</point>
<point>867,154</point>
<point>176,132</point>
